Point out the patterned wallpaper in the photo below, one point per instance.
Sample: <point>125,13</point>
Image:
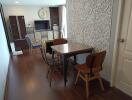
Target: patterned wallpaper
<point>89,22</point>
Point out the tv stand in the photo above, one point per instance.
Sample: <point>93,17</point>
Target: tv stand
<point>43,30</point>
<point>46,34</point>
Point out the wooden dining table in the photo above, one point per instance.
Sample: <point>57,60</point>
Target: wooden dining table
<point>67,50</point>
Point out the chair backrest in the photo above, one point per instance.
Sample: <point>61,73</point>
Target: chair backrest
<point>95,61</point>
<point>21,44</point>
<point>89,60</point>
<point>99,59</point>
<point>59,41</point>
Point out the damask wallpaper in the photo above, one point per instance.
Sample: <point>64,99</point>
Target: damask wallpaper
<point>89,22</point>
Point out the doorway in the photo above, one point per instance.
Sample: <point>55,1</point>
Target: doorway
<point>123,75</point>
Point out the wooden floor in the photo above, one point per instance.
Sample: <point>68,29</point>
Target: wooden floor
<point>27,81</point>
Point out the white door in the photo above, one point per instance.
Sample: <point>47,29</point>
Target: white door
<point>124,69</point>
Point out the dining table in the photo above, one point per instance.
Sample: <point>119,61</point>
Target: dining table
<point>67,50</point>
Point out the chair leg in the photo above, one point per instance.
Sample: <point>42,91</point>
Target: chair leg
<point>101,83</point>
<point>31,50</point>
<point>49,76</point>
<point>87,85</point>
<point>48,73</point>
<point>44,56</point>
<point>78,74</point>
<point>50,79</point>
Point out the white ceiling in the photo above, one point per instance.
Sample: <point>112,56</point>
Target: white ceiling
<point>34,2</point>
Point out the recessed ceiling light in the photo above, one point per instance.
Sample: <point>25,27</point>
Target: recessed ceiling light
<point>17,2</point>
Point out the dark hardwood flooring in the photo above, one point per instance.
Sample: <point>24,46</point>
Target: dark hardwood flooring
<point>27,81</point>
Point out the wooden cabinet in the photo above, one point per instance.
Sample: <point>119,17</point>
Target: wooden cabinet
<point>13,27</point>
<point>17,25</point>
<point>54,16</point>
<point>22,28</point>
<point>18,31</point>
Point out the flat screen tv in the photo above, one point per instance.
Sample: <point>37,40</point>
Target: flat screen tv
<point>42,24</point>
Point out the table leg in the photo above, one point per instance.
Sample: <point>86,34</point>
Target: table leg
<point>53,57</point>
<point>75,59</point>
<point>65,65</point>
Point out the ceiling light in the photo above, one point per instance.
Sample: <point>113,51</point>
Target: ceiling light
<point>16,2</point>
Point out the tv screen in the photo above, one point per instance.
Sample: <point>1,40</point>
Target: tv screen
<point>42,24</point>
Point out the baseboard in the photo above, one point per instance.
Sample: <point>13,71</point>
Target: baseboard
<point>124,88</point>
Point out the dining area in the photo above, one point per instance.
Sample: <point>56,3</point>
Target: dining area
<point>54,73</point>
<point>85,56</point>
<point>62,52</point>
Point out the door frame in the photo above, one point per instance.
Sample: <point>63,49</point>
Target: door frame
<point>116,44</point>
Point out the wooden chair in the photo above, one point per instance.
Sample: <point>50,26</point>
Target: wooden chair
<point>43,52</point>
<point>91,69</point>
<point>34,41</point>
<point>57,60</point>
<point>21,44</point>
<point>59,41</point>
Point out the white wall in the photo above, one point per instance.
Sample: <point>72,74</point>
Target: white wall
<point>4,59</point>
<point>29,12</point>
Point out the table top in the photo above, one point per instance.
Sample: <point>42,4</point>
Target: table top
<point>71,47</point>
